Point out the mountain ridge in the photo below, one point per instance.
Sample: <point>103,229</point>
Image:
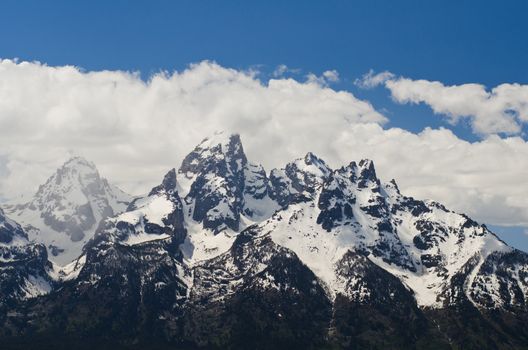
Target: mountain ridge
<point>224,254</point>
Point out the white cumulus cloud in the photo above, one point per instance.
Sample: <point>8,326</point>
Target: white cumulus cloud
<point>503,109</point>
<point>135,131</point>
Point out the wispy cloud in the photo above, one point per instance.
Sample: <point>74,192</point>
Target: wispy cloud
<point>325,79</point>
<point>371,79</point>
<point>283,69</point>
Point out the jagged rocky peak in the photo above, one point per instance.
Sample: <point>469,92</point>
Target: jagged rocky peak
<point>76,174</point>
<point>340,193</point>
<point>169,183</point>
<point>77,163</point>
<point>75,198</point>
<point>65,211</point>
<point>216,169</point>
<point>335,201</point>
<point>321,168</point>
<point>392,188</point>
<point>298,180</point>
<point>218,154</point>
<point>309,171</point>
<point>364,173</point>
<point>367,169</point>
<point>219,184</point>
<point>72,175</point>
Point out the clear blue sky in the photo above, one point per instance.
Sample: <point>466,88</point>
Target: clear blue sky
<point>451,41</point>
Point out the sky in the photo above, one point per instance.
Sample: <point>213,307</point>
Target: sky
<point>434,92</point>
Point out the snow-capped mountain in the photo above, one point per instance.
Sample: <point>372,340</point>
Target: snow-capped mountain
<point>422,243</point>
<point>65,211</point>
<point>223,254</point>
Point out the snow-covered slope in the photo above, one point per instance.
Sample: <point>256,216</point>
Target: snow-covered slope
<point>66,210</point>
<point>422,243</point>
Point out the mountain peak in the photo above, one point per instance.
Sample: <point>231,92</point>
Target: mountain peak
<point>367,173</point>
<point>78,161</point>
<point>220,152</point>
<point>367,164</point>
<point>217,166</point>
<point>219,138</point>
<point>168,184</point>
<point>298,180</point>
<point>393,185</point>
<point>221,143</point>
<point>312,159</point>
<point>76,174</point>
<point>78,167</point>
<point>66,209</point>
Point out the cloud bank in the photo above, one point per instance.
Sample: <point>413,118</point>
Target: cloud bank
<point>136,130</point>
<point>503,109</point>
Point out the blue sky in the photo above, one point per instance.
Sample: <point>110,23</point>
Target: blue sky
<point>454,42</point>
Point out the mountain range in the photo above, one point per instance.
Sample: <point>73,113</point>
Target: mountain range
<point>222,254</point>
